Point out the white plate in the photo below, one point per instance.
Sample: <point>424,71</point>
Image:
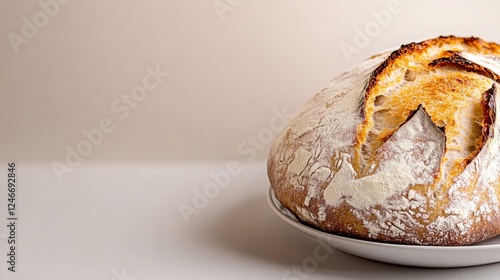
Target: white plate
<point>411,255</point>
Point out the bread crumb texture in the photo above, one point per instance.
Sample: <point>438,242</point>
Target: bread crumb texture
<point>404,148</point>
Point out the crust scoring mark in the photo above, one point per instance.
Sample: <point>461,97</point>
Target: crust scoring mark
<point>489,111</point>
<point>488,67</point>
<point>411,156</point>
<point>485,65</point>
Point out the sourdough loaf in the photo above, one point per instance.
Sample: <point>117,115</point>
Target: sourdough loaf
<point>404,148</point>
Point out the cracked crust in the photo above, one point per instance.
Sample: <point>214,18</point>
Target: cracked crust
<point>400,149</point>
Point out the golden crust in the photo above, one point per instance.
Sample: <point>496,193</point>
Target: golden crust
<point>472,43</point>
<point>364,158</point>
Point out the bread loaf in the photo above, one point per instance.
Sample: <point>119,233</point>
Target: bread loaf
<point>404,148</point>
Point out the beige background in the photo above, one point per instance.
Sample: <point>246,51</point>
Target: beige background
<point>228,70</point>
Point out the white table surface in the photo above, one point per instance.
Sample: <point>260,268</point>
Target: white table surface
<point>122,221</point>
